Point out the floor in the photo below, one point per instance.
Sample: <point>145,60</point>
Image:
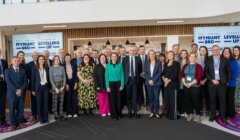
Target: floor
<point>144,118</point>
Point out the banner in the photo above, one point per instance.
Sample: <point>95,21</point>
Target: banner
<point>39,42</point>
<point>224,36</point>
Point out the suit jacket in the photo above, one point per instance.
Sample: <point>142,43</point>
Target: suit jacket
<point>30,66</point>
<point>74,62</point>
<point>4,67</point>
<point>99,77</point>
<point>224,70</point>
<point>50,62</point>
<point>71,82</point>
<point>126,68</point>
<point>13,82</point>
<point>157,72</point>
<point>35,80</point>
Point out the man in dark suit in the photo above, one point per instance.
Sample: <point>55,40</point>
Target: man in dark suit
<point>122,54</point>
<point>3,90</point>
<point>46,55</point>
<point>61,54</point>
<point>30,68</point>
<point>17,83</point>
<point>143,88</point>
<point>78,59</point>
<point>218,73</point>
<point>95,56</point>
<point>132,68</point>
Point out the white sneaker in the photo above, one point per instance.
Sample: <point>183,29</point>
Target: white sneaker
<point>157,116</point>
<point>104,115</point>
<point>69,116</point>
<point>75,115</point>
<point>151,115</point>
<point>109,114</point>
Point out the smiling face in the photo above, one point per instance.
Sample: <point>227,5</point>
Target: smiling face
<point>114,58</point>
<point>41,60</point>
<point>226,53</point>
<point>103,59</point>
<point>15,62</point>
<point>192,58</point>
<point>86,59</point>
<point>216,51</point>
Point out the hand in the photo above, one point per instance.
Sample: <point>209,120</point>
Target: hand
<point>202,82</point>
<point>62,89</point>
<point>150,82</point>
<point>215,82</point>
<point>187,85</point>
<point>18,92</point>
<point>33,93</point>
<point>120,89</point>
<point>142,75</point>
<point>108,90</point>
<point>75,86</point>
<point>67,87</point>
<point>56,90</point>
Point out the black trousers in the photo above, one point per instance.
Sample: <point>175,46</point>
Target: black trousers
<point>33,104</point>
<point>50,101</point>
<point>140,97</point>
<point>171,103</point>
<point>181,101</point>
<point>205,98</point>
<point>3,91</point>
<point>71,99</point>
<point>132,89</point>
<point>115,102</point>
<point>217,93</point>
<point>193,98</point>
<point>42,103</point>
<point>230,102</point>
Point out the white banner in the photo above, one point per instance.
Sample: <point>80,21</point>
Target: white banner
<point>224,36</point>
<point>38,42</point>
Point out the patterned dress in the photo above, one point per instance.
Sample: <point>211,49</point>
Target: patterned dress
<point>237,92</point>
<point>87,98</point>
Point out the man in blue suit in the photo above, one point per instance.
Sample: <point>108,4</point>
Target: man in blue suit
<point>17,83</point>
<point>78,59</point>
<point>30,67</point>
<point>132,67</point>
<point>3,90</point>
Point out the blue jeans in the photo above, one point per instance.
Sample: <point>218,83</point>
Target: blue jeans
<point>16,103</point>
<point>153,93</point>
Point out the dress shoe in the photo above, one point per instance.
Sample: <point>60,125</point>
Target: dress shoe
<point>85,112</point>
<point>12,128</point>
<point>56,118</point>
<point>4,123</point>
<point>46,121</point>
<point>130,115</point>
<point>62,118</point>
<point>20,126</point>
<point>90,112</point>
<point>212,119</point>
<point>223,119</point>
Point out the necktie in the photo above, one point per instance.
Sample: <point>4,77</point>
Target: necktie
<point>131,67</point>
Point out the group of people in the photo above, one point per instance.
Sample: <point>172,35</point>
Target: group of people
<point>175,83</point>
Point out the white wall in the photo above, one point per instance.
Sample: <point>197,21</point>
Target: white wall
<point>112,10</point>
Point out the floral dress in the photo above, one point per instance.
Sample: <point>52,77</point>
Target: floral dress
<point>87,98</point>
<point>237,92</point>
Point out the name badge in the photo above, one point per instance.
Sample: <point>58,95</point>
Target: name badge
<point>189,79</point>
<point>216,72</point>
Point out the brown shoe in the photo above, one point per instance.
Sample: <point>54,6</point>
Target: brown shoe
<point>32,119</point>
<point>12,128</point>
<point>20,126</point>
<point>148,108</point>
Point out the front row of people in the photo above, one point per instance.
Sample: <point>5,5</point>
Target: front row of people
<point>108,80</point>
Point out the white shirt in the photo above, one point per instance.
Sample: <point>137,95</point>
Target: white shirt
<point>43,76</point>
<point>151,69</point>
<point>130,58</point>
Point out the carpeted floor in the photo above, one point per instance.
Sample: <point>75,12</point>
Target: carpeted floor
<point>98,128</point>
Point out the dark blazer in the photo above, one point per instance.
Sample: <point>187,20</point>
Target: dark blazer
<point>74,76</point>
<point>74,62</point>
<point>50,62</point>
<point>157,72</point>
<point>224,70</point>
<point>126,68</point>
<point>99,77</point>
<point>30,66</point>
<point>4,67</point>
<point>35,80</point>
<point>13,83</point>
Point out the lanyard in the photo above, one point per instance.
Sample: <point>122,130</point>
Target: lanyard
<point>190,68</point>
<point>216,65</point>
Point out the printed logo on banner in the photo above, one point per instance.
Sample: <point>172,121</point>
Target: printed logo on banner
<point>30,43</point>
<point>224,36</point>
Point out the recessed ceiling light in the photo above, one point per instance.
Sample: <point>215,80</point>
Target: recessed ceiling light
<point>170,21</point>
<point>55,26</point>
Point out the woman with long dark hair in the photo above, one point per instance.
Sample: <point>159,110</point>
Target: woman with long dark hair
<point>202,60</point>
<point>236,52</point>
<point>40,88</point>
<point>99,81</point>
<point>87,98</point>
<point>230,108</point>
